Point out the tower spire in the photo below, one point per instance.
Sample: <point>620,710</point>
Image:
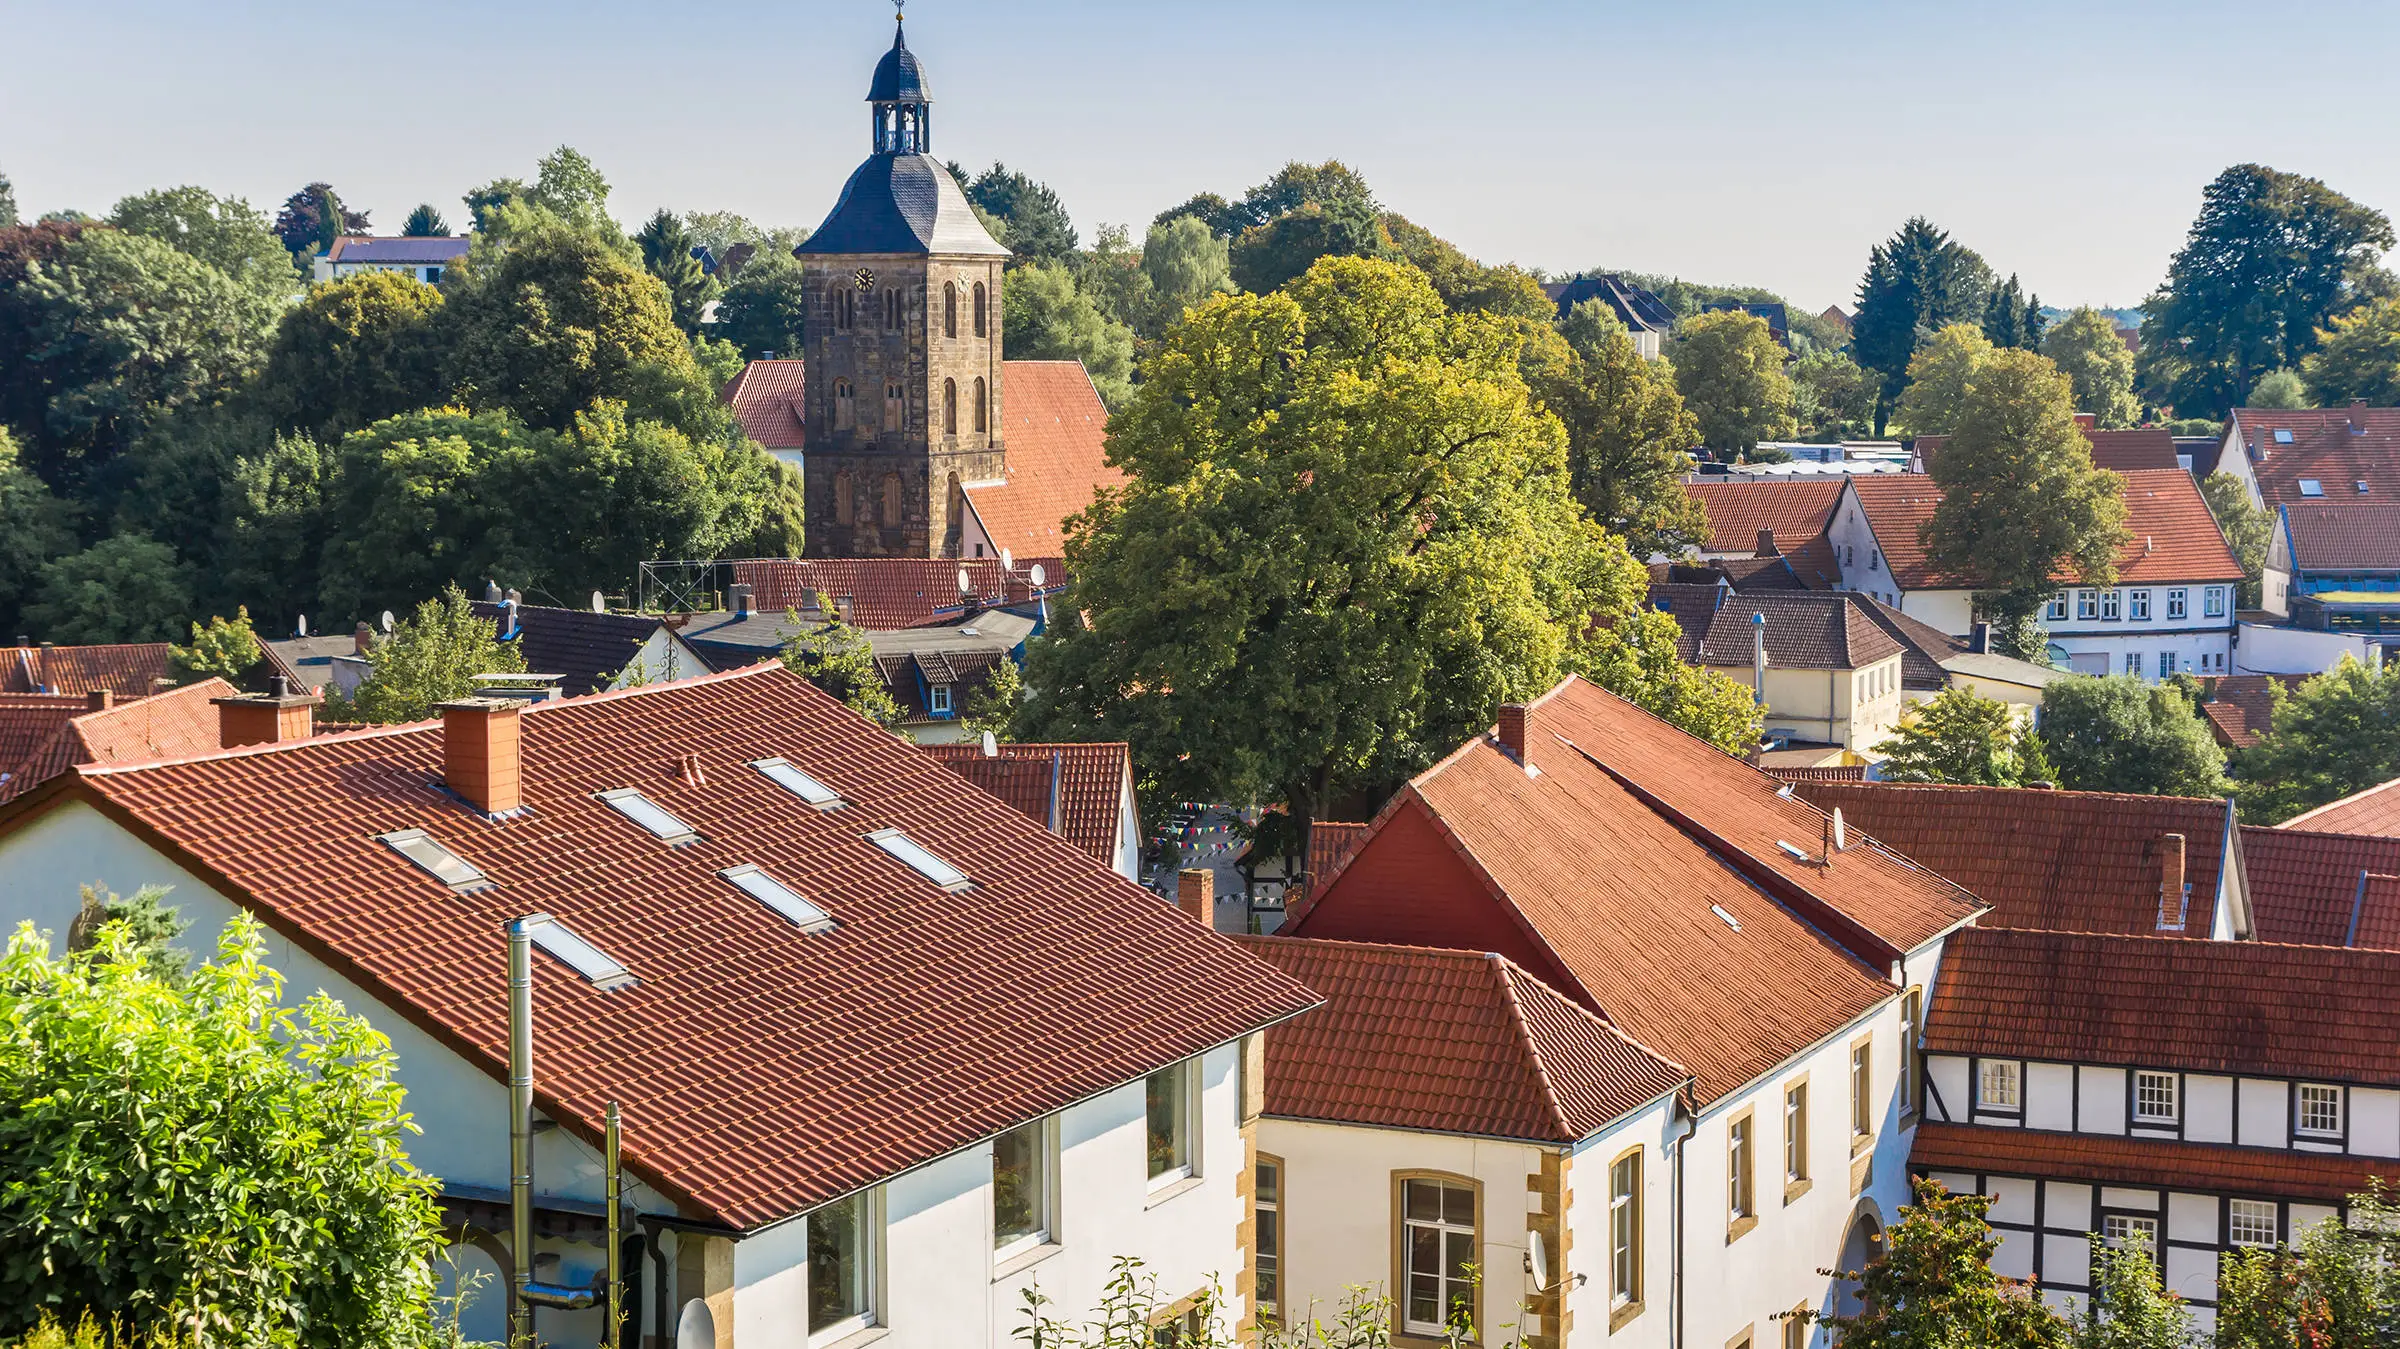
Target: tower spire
<point>903,106</point>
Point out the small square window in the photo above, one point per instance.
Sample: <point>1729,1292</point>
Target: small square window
<point>783,899</point>
<point>2124,1232</point>
<point>2137,605</point>
<point>442,864</point>
<point>2320,1108</point>
<point>2057,612</point>
<point>937,700</point>
<point>2283,436</point>
<point>1996,1086</point>
<point>782,774</point>
<point>2156,1098</point>
<point>924,863</point>
<point>647,813</point>
<point>2252,1222</point>
<point>579,955</point>
<point>2311,487</point>
<point>2213,602</point>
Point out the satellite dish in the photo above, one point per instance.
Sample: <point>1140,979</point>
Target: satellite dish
<point>1537,1258</point>
<point>965,587</point>
<point>1007,563</point>
<point>387,621</point>
<point>1037,574</point>
<point>991,745</point>
<point>303,625</point>
<point>1841,832</point>
<point>599,603</point>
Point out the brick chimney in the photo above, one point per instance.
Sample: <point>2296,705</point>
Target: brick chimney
<point>481,757</point>
<point>99,700</point>
<point>1512,730</point>
<point>2087,421</point>
<point>266,718</point>
<point>2358,416</point>
<point>362,640</point>
<point>2171,901</point>
<point>1196,894</point>
<point>1766,544</point>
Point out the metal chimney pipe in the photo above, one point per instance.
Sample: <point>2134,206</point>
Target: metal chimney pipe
<point>520,1129</point>
<point>610,1163</point>
<point>1758,657</point>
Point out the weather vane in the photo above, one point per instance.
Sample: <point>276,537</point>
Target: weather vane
<point>900,9</point>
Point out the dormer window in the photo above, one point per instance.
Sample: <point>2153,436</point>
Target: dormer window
<point>647,813</point>
<point>595,965</point>
<point>437,861</point>
<point>937,700</point>
<point>2311,487</point>
<point>782,774</point>
<point>907,851</point>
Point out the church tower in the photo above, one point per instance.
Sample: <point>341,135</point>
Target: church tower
<point>903,342</point>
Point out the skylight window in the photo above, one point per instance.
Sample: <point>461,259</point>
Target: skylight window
<point>647,813</point>
<point>782,774</point>
<point>579,955</point>
<point>773,893</point>
<point>2283,436</point>
<point>925,864</point>
<point>439,862</point>
<point>2311,487</point>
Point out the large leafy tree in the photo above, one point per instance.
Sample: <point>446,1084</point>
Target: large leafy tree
<point>2271,259</point>
<point>2248,527</point>
<point>434,655</point>
<point>222,648</point>
<point>2098,366</point>
<point>1963,737</point>
<point>313,217</point>
<point>26,382</point>
<point>1039,229</point>
<point>2279,389</point>
<point>667,254</point>
<point>2129,1306</point>
<point>2117,734</point>
<point>1187,265</point>
<point>1934,1287</point>
<point>429,499</point>
<point>1462,282</point>
<point>35,526</point>
<point>1833,397</point>
<point>198,1156</point>
<point>1111,273</point>
<point>1347,538</point>
<point>220,231</point>
<point>270,544</point>
<point>1269,255</point>
<point>1939,376</point>
<point>1628,431</point>
<point>568,192</point>
<point>1049,318</point>
<point>839,660</point>
<point>765,309</point>
<point>2336,734</point>
<point>1729,369</point>
<point>353,351</point>
<point>2337,1286</point>
<point>1917,282</point>
<point>2357,357</point>
<point>2011,318</point>
<point>125,588</point>
<point>2021,499</point>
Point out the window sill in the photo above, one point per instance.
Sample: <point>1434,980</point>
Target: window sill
<point>1623,1316</point>
<point>1024,1259</point>
<point>856,1339</point>
<point>1739,1228</point>
<point>1793,1189</point>
<point>1171,1189</point>
<point>1862,1171</point>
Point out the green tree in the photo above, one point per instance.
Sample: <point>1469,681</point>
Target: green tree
<point>271,538</point>
<point>2011,318</point>
<point>221,649</point>
<point>125,588</point>
<point>1934,1287</point>
<point>1047,318</point>
<point>615,492</point>
<point>311,218</point>
<point>2097,364</point>
<point>1220,217</point>
<point>839,660</point>
<point>267,1141</point>
<point>436,654</point>
<point>1939,376</point>
<point>1629,435</point>
<point>425,223</point>
<point>667,254</point>
<point>8,203</point>
<point>2357,357</point>
<point>2279,389</point>
<point>765,309</point>
<point>1961,736</point>
<point>2129,1307</point>
<point>1297,186</point>
<point>993,709</point>
<point>1463,283</point>
<point>2117,734</point>
<point>2248,528</point>
<point>353,352</point>
<point>1833,397</point>
<point>2271,259</point>
<point>220,231</point>
<point>1111,273</point>
<point>35,526</point>
<point>1335,478</point>
<point>429,499</point>
<point>1038,227</point>
<point>1266,257</point>
<point>2336,734</point>
<point>150,924</point>
<point>2333,1287</point>
<point>2021,500</point>
<point>736,241</point>
<point>1917,283</point>
<point>1187,265</point>
<point>1729,369</point>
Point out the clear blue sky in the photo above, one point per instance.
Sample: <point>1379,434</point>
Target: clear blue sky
<point>1760,143</point>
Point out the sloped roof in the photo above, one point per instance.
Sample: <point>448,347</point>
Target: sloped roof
<point>1923,647</point>
<point>2304,883</point>
<point>587,651</point>
<point>1807,630</point>
<point>1057,443</point>
<point>2345,535</point>
<point>129,670</point>
<point>2146,447</point>
<point>2101,1159</point>
<point>1648,872</point>
<point>899,77</point>
<point>902,203</point>
<point>769,399</point>
<point>1456,1042</point>
<point>425,251</point>
<point>1330,844</point>
<point>173,724</point>
<point>2240,707</point>
<point>890,593</point>
<point>1073,790</point>
<point>2174,538</point>
<point>1638,309</point>
<point>2063,861</point>
<point>2373,811</point>
<point>1693,607</point>
<point>2324,448</point>
<point>28,721</point>
<point>307,661</point>
<point>2376,924</point>
<point>2204,1007</point>
<point>762,1070</point>
<point>1797,509</point>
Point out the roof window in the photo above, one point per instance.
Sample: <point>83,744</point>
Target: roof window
<point>925,864</point>
<point>647,813</point>
<point>2310,487</point>
<point>767,890</point>
<point>782,774</point>
<point>2283,435</point>
<point>2362,487</point>
<point>439,862</point>
<point>579,955</point>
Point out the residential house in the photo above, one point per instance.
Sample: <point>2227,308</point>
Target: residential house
<point>96,728</point>
<point>699,871</point>
<point>1644,315</point>
<point>126,670</point>
<point>2169,610</point>
<point>769,398</point>
<point>1081,792</point>
<point>2193,1099</point>
<point>322,665</point>
<point>2287,456</point>
<point>881,594</point>
<point>2240,707</point>
<point>1826,676</point>
<point>588,651</point>
<point>427,258</point>
<point>2334,567</point>
<point>1736,930</point>
<point>1834,315</point>
<point>1772,313</point>
<point>1761,518</point>
<point>931,673</point>
<point>1447,1109</point>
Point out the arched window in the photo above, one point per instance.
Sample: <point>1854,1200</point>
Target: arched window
<point>949,309</point>
<point>891,498</point>
<point>842,508</point>
<point>845,307</point>
<point>979,318</point>
<point>983,407</point>
<point>895,407</point>
<point>842,405</point>
<point>950,407</point>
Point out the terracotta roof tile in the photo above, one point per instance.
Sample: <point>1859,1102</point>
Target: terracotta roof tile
<point>173,724</point>
<point>762,1070</point>
<point>2325,448</point>
<point>132,670</point>
<point>1448,1042</point>
<point>1075,790</point>
<point>887,593</point>
<point>1805,631</point>
<point>2203,1007</point>
<point>2065,861</point>
<point>27,723</point>
<point>2174,536</point>
<point>2373,811</point>
<point>1329,845</point>
<point>2345,535</point>
<point>2205,1167</point>
<point>2240,707</point>
<point>2147,447</point>
<point>769,399</point>
<point>1798,510</point>
<point>1057,441</point>
<point>2304,884</point>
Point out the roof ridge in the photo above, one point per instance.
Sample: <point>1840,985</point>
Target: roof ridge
<point>1499,970</point>
<point>1517,971</point>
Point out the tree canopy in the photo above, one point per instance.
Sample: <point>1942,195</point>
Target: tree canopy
<point>1048,317</point>
<point>765,309</point>
<point>2098,366</point>
<point>839,660</point>
<point>352,352</point>
<point>223,648</point>
<point>1939,376</point>
<point>1039,229</point>
<point>434,655</point>
<point>1729,369</point>
<point>2248,527</point>
<point>313,217</point>
<point>2357,357</point>
<point>1960,736</point>
<point>1268,256</point>
<point>1628,431</point>
<point>2116,734</point>
<point>425,222</point>
<point>667,254</point>
<point>1917,283</point>
<point>2336,734</point>
<point>220,231</point>
<point>125,588</point>
<point>1935,1287</point>
<point>2011,318</point>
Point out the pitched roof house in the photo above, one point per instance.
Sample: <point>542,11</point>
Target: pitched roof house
<point>822,974</point>
<point>2290,456</point>
<point>2334,564</point>
<point>1644,315</point>
<point>885,593</point>
<point>1081,792</point>
<point>931,673</point>
<point>425,258</point>
<point>127,670</point>
<point>1824,672</point>
<point>98,729</point>
<point>2124,451</point>
<point>770,399</point>
<point>589,651</point>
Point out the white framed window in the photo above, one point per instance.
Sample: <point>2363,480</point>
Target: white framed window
<point>2320,1108</point>
<point>598,967</point>
<point>1438,1237</point>
<point>2166,663</point>
<point>2128,1232</point>
<point>2179,603</point>
<point>2111,605</point>
<point>2057,612</point>
<point>2087,604</point>
<point>1862,1094</point>
<point>2157,1098</point>
<point>2133,663</point>
<point>436,861</point>
<point>1795,1133</point>
<point>918,859</point>
<point>844,1255</point>
<point>1741,1199</point>
<point>1996,1085</point>
<point>1171,1103</point>
<point>2137,605</point>
<point>1625,1230</point>
<point>1267,1200</point>
<point>2252,1222</point>
<point>781,772</point>
<point>1024,1187</point>
<point>937,700</point>
<point>2212,602</point>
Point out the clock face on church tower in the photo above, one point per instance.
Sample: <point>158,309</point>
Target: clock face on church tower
<point>866,278</point>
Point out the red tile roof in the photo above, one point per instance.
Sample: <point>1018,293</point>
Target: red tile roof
<point>2097,1158</point>
<point>27,722</point>
<point>2174,536</point>
<point>1640,872</point>
<point>132,670</point>
<point>2373,811</point>
<point>2345,535</point>
<point>1057,441</point>
<point>2203,1007</point>
<point>2146,447</point>
<point>1076,791</point>
<point>2304,884</point>
<point>2324,447</point>
<point>1798,510</point>
<point>2376,926</point>
<point>888,593</point>
<point>1455,1042</point>
<point>168,725</point>
<point>2065,861</point>
<point>2240,707</point>
<point>762,1070</point>
<point>1826,630</point>
<point>769,399</point>
<point>1329,845</point>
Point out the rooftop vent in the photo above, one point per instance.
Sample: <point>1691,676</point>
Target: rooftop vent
<point>439,862</point>
<point>917,859</point>
<point>595,965</point>
<point>630,803</point>
<point>1730,920</point>
<point>783,899</point>
<point>782,774</point>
